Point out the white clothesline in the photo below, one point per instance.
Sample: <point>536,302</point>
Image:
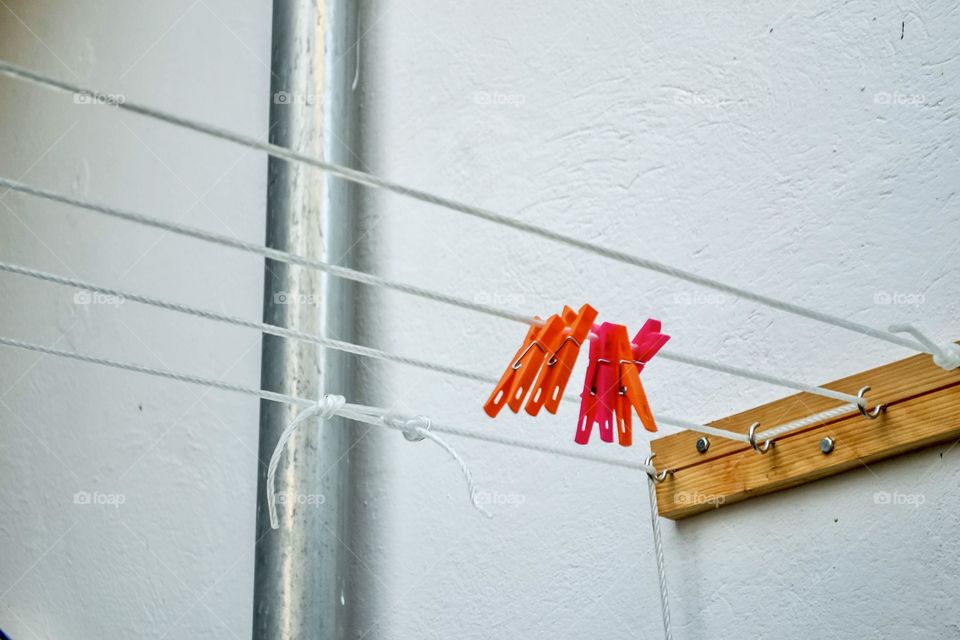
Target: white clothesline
<point>349,411</point>
<point>369,279</point>
<point>366,179</point>
<point>369,352</point>
<point>437,427</point>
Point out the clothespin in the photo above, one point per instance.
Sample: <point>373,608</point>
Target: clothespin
<point>515,382</point>
<point>648,342</point>
<point>599,389</point>
<point>631,359</point>
<point>552,381</point>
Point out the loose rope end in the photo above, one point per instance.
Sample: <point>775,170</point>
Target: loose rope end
<point>416,429</point>
<point>325,408</point>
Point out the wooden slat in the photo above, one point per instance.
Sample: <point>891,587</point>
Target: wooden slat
<point>924,408</point>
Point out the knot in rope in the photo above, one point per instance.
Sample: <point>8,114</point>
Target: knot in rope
<point>328,406</point>
<point>414,428</point>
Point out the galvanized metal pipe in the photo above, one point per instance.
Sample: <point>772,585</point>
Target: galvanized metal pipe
<point>300,586</point>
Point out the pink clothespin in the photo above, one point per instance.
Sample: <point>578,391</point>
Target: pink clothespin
<point>648,342</point>
<point>599,395</point>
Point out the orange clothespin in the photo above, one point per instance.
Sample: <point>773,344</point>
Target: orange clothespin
<point>553,378</point>
<point>516,380</point>
<point>499,396</point>
<point>631,358</point>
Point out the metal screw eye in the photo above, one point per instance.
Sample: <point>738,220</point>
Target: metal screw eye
<point>752,435</point>
<point>870,415</point>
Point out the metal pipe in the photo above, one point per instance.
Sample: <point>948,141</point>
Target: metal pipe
<point>300,589</point>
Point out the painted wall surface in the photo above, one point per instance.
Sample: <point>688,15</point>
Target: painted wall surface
<point>808,151</point>
<point>164,548</point>
<point>805,151</point>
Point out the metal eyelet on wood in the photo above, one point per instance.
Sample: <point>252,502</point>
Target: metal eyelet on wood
<point>659,477</point>
<point>870,415</point>
<point>752,435</point>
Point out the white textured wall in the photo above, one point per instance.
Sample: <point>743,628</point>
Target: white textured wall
<point>742,142</point>
<point>739,141</point>
<point>175,559</point>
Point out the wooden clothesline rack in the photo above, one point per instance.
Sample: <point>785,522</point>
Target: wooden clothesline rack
<point>921,402</point>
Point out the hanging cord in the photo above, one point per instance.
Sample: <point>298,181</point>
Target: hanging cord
<point>418,428</point>
<point>362,178</point>
<point>365,278</point>
<point>652,480</point>
<point>324,409</point>
<point>414,429</point>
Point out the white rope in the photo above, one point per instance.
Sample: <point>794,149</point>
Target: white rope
<point>357,413</point>
<point>339,345</point>
<point>258,249</point>
<point>417,428</point>
<point>471,488</point>
<point>325,408</point>
<point>758,376</point>
<point>704,429</point>
<point>365,278</point>
<point>123,294</point>
<point>375,416</point>
<point>946,356</point>
<point>658,551</point>
<point>362,178</point>
<point>414,429</point>
<point>805,422</point>
<point>299,335</point>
